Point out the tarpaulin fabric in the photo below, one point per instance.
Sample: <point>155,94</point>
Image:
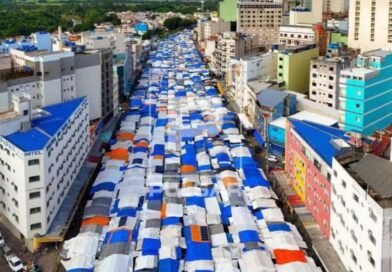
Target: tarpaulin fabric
<point>118,236</point>
<point>288,256</point>
<point>248,236</point>
<point>278,227</point>
<point>99,220</point>
<point>150,246</point>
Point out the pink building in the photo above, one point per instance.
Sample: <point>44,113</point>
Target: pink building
<point>310,148</point>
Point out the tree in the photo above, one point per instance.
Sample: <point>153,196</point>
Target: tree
<point>172,23</point>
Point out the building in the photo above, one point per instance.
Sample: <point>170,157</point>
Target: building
<point>228,10</point>
<point>42,40</point>
<point>206,29</point>
<point>308,13</point>
<point>293,35</point>
<point>262,18</point>
<point>271,105</point>
<point>310,148</point>
<point>361,213</point>
<point>54,77</point>
<point>294,67</point>
<point>365,101</point>
<point>324,80</point>
<point>336,6</point>
<point>114,40</point>
<point>370,24</point>
<point>40,155</point>
<point>248,76</point>
<point>233,45</point>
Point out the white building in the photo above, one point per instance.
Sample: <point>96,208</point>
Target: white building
<point>206,29</point>
<point>104,39</point>
<point>40,155</point>
<point>55,77</point>
<point>370,24</point>
<point>248,74</point>
<point>324,80</point>
<point>361,217</point>
<point>294,35</point>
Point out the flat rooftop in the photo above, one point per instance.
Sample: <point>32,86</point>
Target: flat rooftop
<point>7,115</point>
<point>376,172</point>
<point>314,118</point>
<point>377,53</point>
<point>44,127</point>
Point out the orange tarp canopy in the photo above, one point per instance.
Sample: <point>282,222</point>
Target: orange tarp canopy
<point>126,136</point>
<point>284,256</point>
<point>228,181</point>
<point>187,169</point>
<point>158,157</point>
<point>163,210</point>
<point>196,234</point>
<point>98,220</point>
<point>142,144</point>
<point>118,154</point>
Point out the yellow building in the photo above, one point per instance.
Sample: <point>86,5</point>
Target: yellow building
<point>294,67</point>
<point>299,182</point>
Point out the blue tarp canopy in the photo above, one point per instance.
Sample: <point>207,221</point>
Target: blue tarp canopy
<point>254,178</point>
<point>248,236</point>
<point>151,246</point>
<point>258,137</point>
<point>117,236</point>
<point>279,227</point>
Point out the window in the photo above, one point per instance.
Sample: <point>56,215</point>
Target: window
<point>357,106</point>
<point>25,112</point>
<point>34,179</point>
<point>35,210</point>
<point>35,226</point>
<point>356,198</point>
<point>33,162</point>
<point>357,119</point>
<point>35,195</point>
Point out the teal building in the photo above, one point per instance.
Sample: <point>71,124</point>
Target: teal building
<point>365,98</point>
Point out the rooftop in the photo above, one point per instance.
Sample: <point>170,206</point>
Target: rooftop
<point>320,138</point>
<point>270,97</point>
<point>314,118</point>
<point>376,172</point>
<point>44,128</point>
<point>280,122</point>
<point>377,53</point>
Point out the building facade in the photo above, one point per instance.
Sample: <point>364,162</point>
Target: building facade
<point>228,10</point>
<point>40,159</point>
<point>233,45</point>
<point>294,67</point>
<point>309,152</point>
<point>291,35</point>
<point>365,101</point>
<point>361,213</point>
<point>261,18</point>
<point>336,6</point>
<point>324,80</point>
<point>370,24</point>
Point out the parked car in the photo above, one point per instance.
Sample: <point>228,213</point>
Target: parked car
<point>272,158</point>
<point>15,264</point>
<point>2,241</point>
<point>7,253</point>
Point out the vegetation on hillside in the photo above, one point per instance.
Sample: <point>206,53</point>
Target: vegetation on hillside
<point>24,17</point>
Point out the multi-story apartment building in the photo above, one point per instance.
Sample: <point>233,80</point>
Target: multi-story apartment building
<point>365,101</point>
<point>294,67</point>
<point>233,45</point>
<point>60,76</point>
<point>324,80</point>
<point>308,13</point>
<point>310,148</point>
<point>40,155</point>
<point>208,28</point>
<point>361,212</point>
<point>370,24</point>
<point>336,6</point>
<point>262,18</point>
<point>256,68</point>
<point>293,35</point>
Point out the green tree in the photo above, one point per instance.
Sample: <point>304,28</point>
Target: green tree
<point>172,23</point>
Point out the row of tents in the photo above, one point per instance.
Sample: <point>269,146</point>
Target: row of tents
<point>179,189</point>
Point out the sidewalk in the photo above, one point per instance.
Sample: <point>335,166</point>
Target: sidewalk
<point>305,223</point>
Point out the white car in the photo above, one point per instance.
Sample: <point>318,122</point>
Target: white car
<point>272,158</point>
<point>15,264</point>
<point>2,241</point>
